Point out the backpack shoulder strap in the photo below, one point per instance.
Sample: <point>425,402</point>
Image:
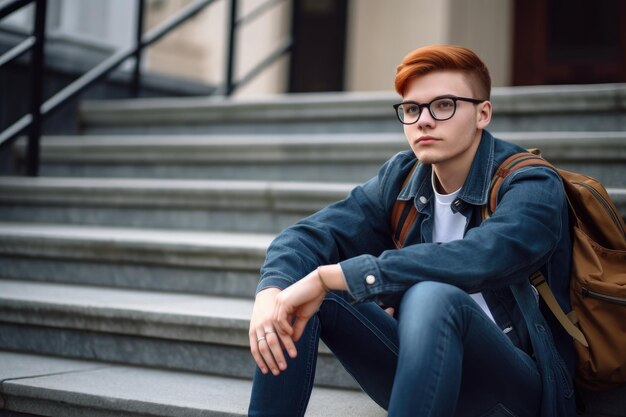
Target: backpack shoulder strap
<point>510,165</point>
<point>403,215</point>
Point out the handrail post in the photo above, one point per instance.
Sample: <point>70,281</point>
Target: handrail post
<point>230,57</point>
<point>37,71</point>
<point>136,80</point>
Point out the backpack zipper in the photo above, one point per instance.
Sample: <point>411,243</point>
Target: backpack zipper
<point>604,203</point>
<point>603,297</point>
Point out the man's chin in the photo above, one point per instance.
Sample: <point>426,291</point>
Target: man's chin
<point>426,158</point>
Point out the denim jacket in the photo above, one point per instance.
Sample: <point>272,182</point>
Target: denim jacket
<point>529,231</point>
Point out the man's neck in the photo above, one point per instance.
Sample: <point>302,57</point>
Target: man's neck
<point>451,175</point>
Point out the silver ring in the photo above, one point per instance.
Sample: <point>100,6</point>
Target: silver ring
<point>260,338</point>
<point>269,331</point>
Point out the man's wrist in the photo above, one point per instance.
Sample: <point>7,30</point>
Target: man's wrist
<point>321,280</point>
<point>332,277</point>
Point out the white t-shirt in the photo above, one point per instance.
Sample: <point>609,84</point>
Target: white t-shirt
<point>450,226</point>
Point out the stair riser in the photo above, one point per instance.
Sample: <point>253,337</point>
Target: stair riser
<point>611,173</point>
<point>235,283</point>
<point>354,172</point>
<point>53,408</point>
<point>219,359</point>
<point>532,123</point>
<point>52,211</point>
<point>31,402</point>
<point>587,107</point>
<point>13,402</point>
<point>232,221</point>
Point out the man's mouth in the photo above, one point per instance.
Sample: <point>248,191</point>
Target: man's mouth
<point>425,140</point>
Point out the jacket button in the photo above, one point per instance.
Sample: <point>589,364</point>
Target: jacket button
<point>423,200</point>
<point>370,279</point>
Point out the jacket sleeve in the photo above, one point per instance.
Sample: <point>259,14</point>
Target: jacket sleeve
<point>517,240</point>
<point>354,226</point>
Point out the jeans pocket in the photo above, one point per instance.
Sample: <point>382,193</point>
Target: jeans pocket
<point>499,411</point>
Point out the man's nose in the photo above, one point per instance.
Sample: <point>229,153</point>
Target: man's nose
<point>425,119</point>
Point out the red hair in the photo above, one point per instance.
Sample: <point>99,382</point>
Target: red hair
<point>444,58</point>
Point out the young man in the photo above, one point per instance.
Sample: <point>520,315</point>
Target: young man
<point>468,337</point>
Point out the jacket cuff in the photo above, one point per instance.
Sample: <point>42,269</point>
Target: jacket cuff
<point>363,277</point>
<point>273,282</point>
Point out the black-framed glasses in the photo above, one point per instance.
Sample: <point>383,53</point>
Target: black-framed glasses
<point>440,108</point>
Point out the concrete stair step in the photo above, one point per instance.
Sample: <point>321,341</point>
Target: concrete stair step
<point>189,332</point>
<point>166,260</point>
<point>244,206</point>
<point>323,157</point>
<point>337,158</point>
<point>48,386</point>
<point>566,107</point>
<point>239,206</point>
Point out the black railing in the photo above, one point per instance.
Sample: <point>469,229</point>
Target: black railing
<point>32,122</point>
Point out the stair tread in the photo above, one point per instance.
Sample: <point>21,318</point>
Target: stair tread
<point>63,385</point>
<point>180,186</point>
<point>294,141</point>
<point>297,106</point>
<point>167,185</point>
<point>92,298</point>
<point>166,315</point>
<point>133,236</point>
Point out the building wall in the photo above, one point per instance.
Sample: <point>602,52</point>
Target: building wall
<point>486,27</point>
<point>380,36</point>
<point>197,50</point>
<point>194,50</point>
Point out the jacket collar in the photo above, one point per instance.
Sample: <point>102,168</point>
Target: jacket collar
<point>475,190</point>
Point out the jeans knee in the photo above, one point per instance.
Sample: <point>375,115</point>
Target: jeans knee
<point>429,297</point>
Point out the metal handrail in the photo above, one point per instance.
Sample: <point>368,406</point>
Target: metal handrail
<point>17,51</point>
<point>33,120</point>
<point>13,6</point>
<point>231,85</point>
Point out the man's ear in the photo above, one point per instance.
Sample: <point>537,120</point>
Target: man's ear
<point>483,116</point>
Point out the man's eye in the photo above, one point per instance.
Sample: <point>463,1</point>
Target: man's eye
<point>444,104</point>
<point>411,109</point>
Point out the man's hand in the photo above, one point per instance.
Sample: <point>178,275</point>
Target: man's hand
<point>296,305</point>
<point>264,343</point>
<point>280,317</point>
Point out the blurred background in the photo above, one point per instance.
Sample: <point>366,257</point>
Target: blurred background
<point>343,45</point>
<point>141,187</point>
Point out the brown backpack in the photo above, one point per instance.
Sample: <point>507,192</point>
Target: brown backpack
<point>597,321</point>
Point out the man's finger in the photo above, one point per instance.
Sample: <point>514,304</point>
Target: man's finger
<point>281,321</point>
<point>288,345</point>
<point>298,328</point>
<point>256,354</point>
<point>271,338</point>
<point>266,352</point>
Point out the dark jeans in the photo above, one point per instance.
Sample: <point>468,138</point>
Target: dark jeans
<point>442,357</point>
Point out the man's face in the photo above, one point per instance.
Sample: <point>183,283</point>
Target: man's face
<point>449,141</point>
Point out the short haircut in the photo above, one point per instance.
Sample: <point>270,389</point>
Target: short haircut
<point>429,59</point>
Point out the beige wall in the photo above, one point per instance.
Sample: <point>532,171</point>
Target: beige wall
<point>486,27</point>
<point>379,36</point>
<point>192,51</point>
<point>257,41</point>
<point>197,50</point>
